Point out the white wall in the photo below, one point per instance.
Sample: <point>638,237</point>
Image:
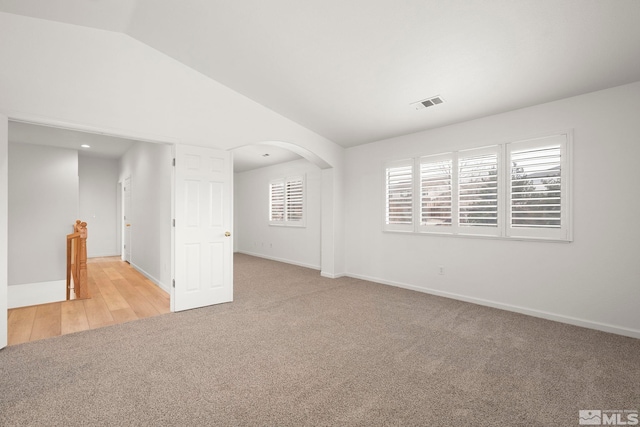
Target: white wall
<point>98,195</point>
<point>149,166</point>
<point>254,235</point>
<point>592,281</point>
<point>43,206</point>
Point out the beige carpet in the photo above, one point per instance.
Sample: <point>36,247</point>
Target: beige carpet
<point>296,349</point>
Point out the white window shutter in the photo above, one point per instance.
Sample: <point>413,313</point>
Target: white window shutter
<point>295,199</point>
<point>436,193</point>
<point>286,201</point>
<point>538,205</point>
<point>478,191</point>
<point>399,196</point>
<point>276,201</point>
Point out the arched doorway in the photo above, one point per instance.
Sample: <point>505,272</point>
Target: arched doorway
<point>327,195</point>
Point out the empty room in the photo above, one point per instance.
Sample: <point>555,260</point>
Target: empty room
<point>358,212</point>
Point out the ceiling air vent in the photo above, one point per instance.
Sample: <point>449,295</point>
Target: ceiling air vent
<point>429,102</point>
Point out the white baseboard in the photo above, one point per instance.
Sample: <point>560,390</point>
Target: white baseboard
<point>286,261</point>
<point>157,282</point>
<point>633,333</point>
<point>332,276</point>
<point>103,255</point>
<point>36,293</point>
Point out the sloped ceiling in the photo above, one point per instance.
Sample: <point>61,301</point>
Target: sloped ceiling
<point>350,70</point>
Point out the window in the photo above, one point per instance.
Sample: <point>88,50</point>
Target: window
<point>294,200</point>
<point>435,191</point>
<point>514,190</point>
<point>399,196</point>
<point>478,191</point>
<point>286,201</point>
<point>276,201</point>
<point>538,188</point>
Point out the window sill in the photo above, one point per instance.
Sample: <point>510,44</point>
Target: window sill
<point>284,224</point>
<point>480,236</point>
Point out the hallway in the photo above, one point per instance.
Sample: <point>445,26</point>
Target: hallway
<point>118,292</point>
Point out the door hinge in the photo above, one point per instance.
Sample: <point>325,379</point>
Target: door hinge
<point>174,222</point>
<point>173,283</point>
<point>173,163</point>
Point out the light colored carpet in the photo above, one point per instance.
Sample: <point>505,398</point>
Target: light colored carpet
<point>296,349</point>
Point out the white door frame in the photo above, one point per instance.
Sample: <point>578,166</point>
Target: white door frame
<point>4,238</point>
<point>126,222</point>
<point>4,209</point>
<point>119,215</point>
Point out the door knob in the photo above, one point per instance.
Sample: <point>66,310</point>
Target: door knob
<point>128,225</point>
<point>227,234</point>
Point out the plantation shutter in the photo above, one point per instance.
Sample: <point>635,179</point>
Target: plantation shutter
<point>286,201</point>
<point>276,201</point>
<point>478,191</point>
<point>538,205</point>
<point>295,199</point>
<point>535,187</point>
<point>436,187</point>
<point>399,196</point>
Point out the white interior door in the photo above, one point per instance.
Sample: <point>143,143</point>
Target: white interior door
<point>203,250</point>
<point>126,223</point>
<point>4,214</point>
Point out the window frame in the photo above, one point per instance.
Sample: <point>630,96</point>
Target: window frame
<point>565,231</point>
<point>286,221</point>
<point>483,230</point>
<point>503,228</point>
<point>390,226</point>
<point>433,159</point>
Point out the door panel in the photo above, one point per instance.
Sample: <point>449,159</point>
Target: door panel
<point>203,217</point>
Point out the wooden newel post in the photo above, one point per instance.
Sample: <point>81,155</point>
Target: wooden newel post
<point>77,261</point>
<point>69,264</point>
<point>83,289</point>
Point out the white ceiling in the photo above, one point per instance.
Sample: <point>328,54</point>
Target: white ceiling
<point>252,157</point>
<point>349,70</point>
<point>99,145</point>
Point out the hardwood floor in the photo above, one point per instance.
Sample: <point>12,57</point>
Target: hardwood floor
<point>118,293</point>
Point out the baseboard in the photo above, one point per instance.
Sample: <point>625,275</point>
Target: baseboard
<point>155,281</point>
<point>332,276</point>
<point>36,293</point>
<point>604,327</point>
<point>105,255</point>
<point>286,261</point>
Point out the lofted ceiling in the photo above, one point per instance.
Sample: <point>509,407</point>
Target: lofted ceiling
<point>350,70</point>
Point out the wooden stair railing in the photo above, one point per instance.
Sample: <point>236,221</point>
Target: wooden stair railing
<point>77,261</point>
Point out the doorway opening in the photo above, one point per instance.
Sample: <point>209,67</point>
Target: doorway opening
<point>96,166</point>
